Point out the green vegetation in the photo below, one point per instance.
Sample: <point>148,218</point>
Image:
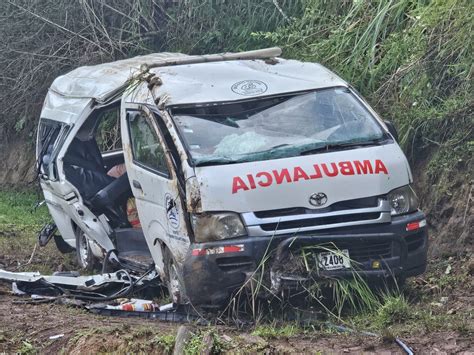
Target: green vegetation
<point>204,339</point>
<point>412,59</point>
<point>17,211</point>
<point>19,227</point>
<point>165,341</point>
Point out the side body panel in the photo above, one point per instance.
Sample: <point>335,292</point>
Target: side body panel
<point>63,199</point>
<point>158,202</point>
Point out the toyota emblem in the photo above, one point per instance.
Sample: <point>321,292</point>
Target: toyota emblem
<point>318,199</point>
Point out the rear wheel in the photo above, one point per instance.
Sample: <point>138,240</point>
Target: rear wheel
<point>85,258</point>
<point>174,281</point>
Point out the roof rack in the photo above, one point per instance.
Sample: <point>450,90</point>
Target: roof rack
<point>249,55</point>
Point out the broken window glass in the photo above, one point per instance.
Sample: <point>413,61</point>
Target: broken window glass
<point>146,146</point>
<point>50,137</point>
<point>276,127</point>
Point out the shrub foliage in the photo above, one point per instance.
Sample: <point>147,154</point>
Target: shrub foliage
<point>412,59</point>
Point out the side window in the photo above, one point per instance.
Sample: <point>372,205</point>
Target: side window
<point>107,134</point>
<point>50,137</point>
<point>146,146</point>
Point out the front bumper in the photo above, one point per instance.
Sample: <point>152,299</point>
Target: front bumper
<point>211,276</point>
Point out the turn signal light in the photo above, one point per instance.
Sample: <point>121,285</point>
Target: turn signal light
<point>416,225</point>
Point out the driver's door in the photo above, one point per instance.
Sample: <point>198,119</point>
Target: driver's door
<point>154,185</point>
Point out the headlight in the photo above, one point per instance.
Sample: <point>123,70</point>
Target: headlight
<point>216,226</point>
<point>402,200</point>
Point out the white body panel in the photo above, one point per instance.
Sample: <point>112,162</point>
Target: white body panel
<point>243,188</point>
<point>221,189</point>
<point>151,197</point>
<point>62,198</point>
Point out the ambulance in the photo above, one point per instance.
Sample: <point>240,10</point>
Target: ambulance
<point>212,169</point>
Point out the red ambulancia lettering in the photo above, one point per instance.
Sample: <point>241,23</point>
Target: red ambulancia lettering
<point>299,174</point>
<point>278,177</point>
<point>346,168</point>
<point>363,167</point>
<point>334,171</point>
<point>251,181</point>
<point>317,172</point>
<point>380,167</point>
<point>238,184</point>
<point>283,174</point>
<point>263,182</point>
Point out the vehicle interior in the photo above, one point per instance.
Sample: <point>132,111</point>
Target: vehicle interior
<point>86,168</point>
<point>94,164</point>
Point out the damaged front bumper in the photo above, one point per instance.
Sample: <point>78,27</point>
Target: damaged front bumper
<point>214,271</point>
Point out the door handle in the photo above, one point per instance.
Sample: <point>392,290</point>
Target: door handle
<point>137,185</point>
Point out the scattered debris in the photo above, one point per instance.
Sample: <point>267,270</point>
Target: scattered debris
<point>135,305</point>
<point>448,269</point>
<point>342,329</point>
<point>54,337</point>
<point>101,287</point>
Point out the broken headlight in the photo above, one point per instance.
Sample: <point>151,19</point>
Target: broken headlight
<point>402,200</point>
<point>216,226</point>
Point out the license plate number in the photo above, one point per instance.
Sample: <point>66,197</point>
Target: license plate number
<point>334,260</point>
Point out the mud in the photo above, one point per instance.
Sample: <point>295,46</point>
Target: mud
<point>26,325</point>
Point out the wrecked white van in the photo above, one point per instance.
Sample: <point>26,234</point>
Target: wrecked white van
<point>204,167</point>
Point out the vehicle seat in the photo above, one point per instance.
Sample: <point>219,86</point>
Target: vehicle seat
<point>111,201</point>
<point>84,168</point>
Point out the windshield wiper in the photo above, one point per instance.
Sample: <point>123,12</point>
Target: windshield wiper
<point>216,161</point>
<point>342,146</point>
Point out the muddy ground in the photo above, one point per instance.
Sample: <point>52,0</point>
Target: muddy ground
<point>440,322</point>
<point>28,328</point>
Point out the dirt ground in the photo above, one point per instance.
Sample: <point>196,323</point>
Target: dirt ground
<point>28,328</point>
<point>439,318</point>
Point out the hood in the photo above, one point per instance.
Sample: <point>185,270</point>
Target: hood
<point>289,182</point>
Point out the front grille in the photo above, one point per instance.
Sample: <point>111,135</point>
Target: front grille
<point>366,202</point>
<point>312,222</point>
<point>350,213</point>
<point>364,251</point>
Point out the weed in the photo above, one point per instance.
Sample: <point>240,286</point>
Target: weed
<point>164,341</point>
<point>393,309</point>
<point>26,348</point>
<point>16,211</point>
<point>194,345</point>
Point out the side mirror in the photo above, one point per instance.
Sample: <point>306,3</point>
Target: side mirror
<point>392,129</point>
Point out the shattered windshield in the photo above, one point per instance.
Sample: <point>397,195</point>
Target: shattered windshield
<point>276,127</point>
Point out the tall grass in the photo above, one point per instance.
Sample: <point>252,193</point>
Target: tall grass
<point>413,59</point>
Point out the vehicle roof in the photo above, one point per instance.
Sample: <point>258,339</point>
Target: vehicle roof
<point>203,82</point>
<point>99,81</point>
<point>238,80</point>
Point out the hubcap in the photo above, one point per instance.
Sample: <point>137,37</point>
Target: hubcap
<point>84,249</point>
<point>174,289</point>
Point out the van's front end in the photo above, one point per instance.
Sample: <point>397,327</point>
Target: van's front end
<point>300,187</point>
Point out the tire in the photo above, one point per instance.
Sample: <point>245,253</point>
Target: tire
<point>174,279</point>
<point>62,246</point>
<point>85,258</point>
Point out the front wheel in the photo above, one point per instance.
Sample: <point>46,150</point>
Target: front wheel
<point>174,280</point>
<point>85,258</point>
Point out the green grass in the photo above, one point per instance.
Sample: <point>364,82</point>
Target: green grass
<point>17,211</point>
<point>19,227</point>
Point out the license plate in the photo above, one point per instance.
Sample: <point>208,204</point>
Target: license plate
<point>334,260</point>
